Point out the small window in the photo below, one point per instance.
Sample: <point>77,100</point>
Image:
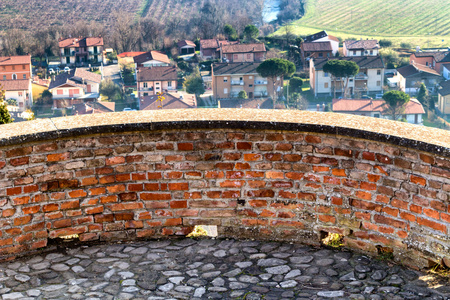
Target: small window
<point>20,94</point>
<point>225,91</point>
<point>320,54</point>
<point>13,67</point>
<point>376,115</point>
<point>23,67</point>
<point>350,80</point>
<point>59,92</point>
<point>157,83</point>
<point>250,77</point>
<point>24,76</point>
<point>250,85</point>
<point>325,74</point>
<point>145,94</point>
<point>169,83</point>
<point>325,85</point>
<point>378,72</point>
<point>354,52</point>
<point>371,52</point>
<point>426,64</point>
<point>145,85</point>
<point>225,79</point>
<point>14,76</point>
<point>4,77</point>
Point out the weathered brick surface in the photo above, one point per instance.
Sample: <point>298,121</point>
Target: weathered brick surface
<point>159,184</point>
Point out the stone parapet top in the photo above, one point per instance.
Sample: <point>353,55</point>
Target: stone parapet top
<point>398,133</point>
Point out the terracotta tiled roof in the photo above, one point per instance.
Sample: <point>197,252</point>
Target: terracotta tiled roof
<point>43,82</point>
<point>361,44</point>
<point>234,68</point>
<point>214,43</point>
<point>368,105</point>
<point>317,46</point>
<point>333,38</point>
<point>185,43</point>
<point>439,56</point>
<point>129,54</point>
<point>244,48</point>
<point>86,75</point>
<point>94,107</point>
<point>81,42</point>
<point>171,101</point>
<point>15,60</point>
<point>157,74</point>
<point>365,62</point>
<point>15,85</point>
<point>151,55</point>
<point>75,77</point>
<point>414,69</point>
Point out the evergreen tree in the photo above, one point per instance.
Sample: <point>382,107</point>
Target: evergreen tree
<point>5,116</point>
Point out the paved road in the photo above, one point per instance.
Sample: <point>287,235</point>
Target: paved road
<point>112,72</point>
<point>211,269</point>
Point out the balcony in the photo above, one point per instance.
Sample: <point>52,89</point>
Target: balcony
<point>260,82</point>
<point>237,82</point>
<point>361,76</point>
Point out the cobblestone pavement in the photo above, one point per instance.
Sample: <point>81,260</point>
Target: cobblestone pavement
<point>210,269</point>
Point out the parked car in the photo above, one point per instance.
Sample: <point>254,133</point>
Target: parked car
<point>51,71</point>
<point>66,69</point>
<point>128,109</point>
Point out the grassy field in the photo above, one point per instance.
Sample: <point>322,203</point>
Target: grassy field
<point>423,23</point>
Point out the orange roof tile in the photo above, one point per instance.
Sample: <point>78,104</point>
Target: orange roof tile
<point>15,60</point>
<point>376,105</point>
<point>81,42</point>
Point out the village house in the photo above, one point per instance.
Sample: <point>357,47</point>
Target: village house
<point>151,59</point>
<point>361,48</point>
<point>315,50</point>
<point>210,49</point>
<point>186,47</point>
<point>323,36</point>
<point>81,50</point>
<point>432,59</point>
<point>76,86</point>
<point>444,97</point>
<point>243,52</point>
<point>88,108</point>
<point>369,80</point>
<point>15,67</point>
<point>410,78</point>
<point>172,100</point>
<point>413,110</point>
<point>19,90</point>
<point>228,79</point>
<point>152,80</point>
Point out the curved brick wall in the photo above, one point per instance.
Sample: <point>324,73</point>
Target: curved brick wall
<point>268,174</point>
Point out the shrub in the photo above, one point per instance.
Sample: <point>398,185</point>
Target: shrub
<point>242,95</point>
<point>385,43</point>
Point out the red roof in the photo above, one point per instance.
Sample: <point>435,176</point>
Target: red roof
<point>369,105</point>
<point>185,43</point>
<point>214,43</point>
<point>94,107</point>
<point>81,42</point>
<point>15,85</point>
<point>15,60</point>
<point>151,55</point>
<point>129,54</point>
<point>157,74</point>
<point>171,101</point>
<point>244,48</point>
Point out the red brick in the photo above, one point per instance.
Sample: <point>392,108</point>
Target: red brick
<point>399,203</point>
<point>373,177</point>
<point>418,180</point>
<point>254,174</point>
<point>58,157</point>
<point>283,223</point>
<point>363,195</point>
<point>232,183</point>
<point>365,205</point>
<point>327,219</point>
<point>70,204</point>
<point>128,196</point>
<point>343,152</point>
<point>124,216</point>
<point>407,216</point>
<point>438,205</point>
<point>123,177</point>
<point>244,146</point>
<point>224,166</point>
<point>13,191</point>
<point>368,186</point>
<point>94,210</point>
<point>31,209</point>
<point>306,196</point>
<point>108,199</point>
<point>115,160</point>
<point>179,186</point>
<point>257,203</point>
<point>163,213</point>
<point>218,213</point>
<point>390,211</point>
<point>286,214</point>
<point>389,221</point>
<point>283,147</point>
<point>265,147</point>
<point>173,222</point>
<point>118,188</point>
<point>261,193</point>
<point>274,175</point>
<point>126,206</point>
<point>77,194</point>
<point>336,201</point>
<point>21,200</point>
<point>252,157</point>
<point>331,180</point>
<point>97,191</point>
<point>295,175</point>
<point>155,196</point>
<point>8,212</point>
<point>107,179</point>
<point>427,159</point>
<point>313,139</point>
<point>319,169</point>
<point>431,213</point>
<point>104,170</point>
<point>368,156</point>
<point>22,220</point>
<point>50,207</point>
<point>19,152</point>
<point>178,204</point>
<point>432,224</point>
<point>242,166</point>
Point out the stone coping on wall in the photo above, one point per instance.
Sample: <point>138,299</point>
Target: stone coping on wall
<point>432,140</point>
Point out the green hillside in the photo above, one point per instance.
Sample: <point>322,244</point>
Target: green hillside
<point>420,22</point>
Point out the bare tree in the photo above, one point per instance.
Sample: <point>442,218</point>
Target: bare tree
<point>125,34</point>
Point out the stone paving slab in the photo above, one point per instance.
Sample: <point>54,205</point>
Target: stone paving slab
<point>212,269</point>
